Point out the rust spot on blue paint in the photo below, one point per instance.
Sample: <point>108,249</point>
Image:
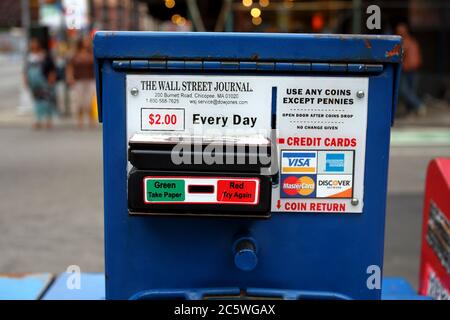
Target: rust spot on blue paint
<point>396,51</point>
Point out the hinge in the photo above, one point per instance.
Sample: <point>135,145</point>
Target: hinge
<point>264,66</point>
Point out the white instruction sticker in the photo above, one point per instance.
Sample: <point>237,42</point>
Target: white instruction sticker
<point>322,124</point>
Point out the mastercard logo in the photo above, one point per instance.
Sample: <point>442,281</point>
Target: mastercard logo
<point>303,186</point>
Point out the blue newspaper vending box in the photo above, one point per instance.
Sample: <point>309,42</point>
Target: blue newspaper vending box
<point>245,165</point>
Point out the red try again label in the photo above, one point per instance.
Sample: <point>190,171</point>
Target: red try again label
<point>240,191</point>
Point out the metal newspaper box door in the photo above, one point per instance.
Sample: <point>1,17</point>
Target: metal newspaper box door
<point>245,164</point>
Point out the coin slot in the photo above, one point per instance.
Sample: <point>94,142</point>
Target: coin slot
<point>200,189</point>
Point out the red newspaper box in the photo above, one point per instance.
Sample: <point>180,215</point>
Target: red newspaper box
<point>435,256</point>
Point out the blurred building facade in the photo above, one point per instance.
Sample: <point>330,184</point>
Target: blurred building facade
<point>106,14</point>
<point>120,15</point>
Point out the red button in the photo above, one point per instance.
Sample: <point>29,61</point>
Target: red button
<point>240,191</point>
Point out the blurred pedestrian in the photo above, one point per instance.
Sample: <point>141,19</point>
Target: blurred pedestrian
<point>80,77</point>
<point>40,77</point>
<point>412,60</point>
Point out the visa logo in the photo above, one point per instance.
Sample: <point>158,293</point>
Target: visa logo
<point>299,162</point>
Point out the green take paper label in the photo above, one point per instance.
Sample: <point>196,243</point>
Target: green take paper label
<point>162,190</point>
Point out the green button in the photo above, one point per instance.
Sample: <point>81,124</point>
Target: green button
<point>165,190</point>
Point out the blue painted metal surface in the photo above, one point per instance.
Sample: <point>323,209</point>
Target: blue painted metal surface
<point>92,287</point>
<point>399,289</point>
<point>251,46</point>
<point>322,254</point>
<point>245,254</point>
<point>246,259</point>
<point>23,286</point>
